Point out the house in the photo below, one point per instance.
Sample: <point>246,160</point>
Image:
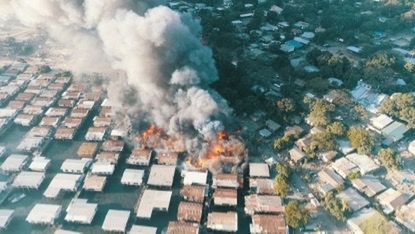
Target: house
<point>353,199</point>
<point>193,193</point>
<point>363,162</point>
<point>368,185</point>
<point>403,180</point>
<point>265,133</point>
<point>116,220</point>
<point>263,204</point>
<point>63,133</point>
<point>194,177</point>
<point>141,229</point>
<point>70,122</point>
<point>81,211</point>
<point>25,120</point>
<point>225,181</point>
<point>167,158</point>
<point>378,123</point>
<point>6,215</point>
<point>109,157</point>
<point>95,134</point>
<point>272,125</point>
<point>161,175</point>
<point>223,221</point>
<point>44,214</point>
<point>411,147</point>
<point>328,156</point>
<point>62,182</point>
<point>406,215</point>
<point>14,163</point>
<point>77,166</point>
<point>354,49</point>
<point>28,180</point>
<point>392,199</point>
<point>328,176</point>
<point>49,122</point>
<point>152,200</point>
<point>140,157</point>
<point>94,183</point>
<point>132,177</point>
<point>32,144</point>
<point>258,170</point>
<point>296,155</point>
<point>344,167</point>
<point>394,132</point>
<point>56,112</point>
<point>102,168</point>
<point>182,227</point>
<point>358,221</point>
<point>225,197</point>
<point>113,145</point>
<point>39,164</point>
<point>87,150</point>
<point>189,212</point>
<point>262,186</point>
<point>264,223</point>
<point>345,147</point>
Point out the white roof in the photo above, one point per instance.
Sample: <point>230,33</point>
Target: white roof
<point>395,131</point>
<point>7,112</point>
<point>102,168</point>
<point>161,175</point>
<point>62,181</point>
<point>140,229</point>
<point>132,177</point>
<point>258,170</point>
<point>62,231</point>
<point>39,164</point>
<point>80,211</point>
<point>30,143</point>
<point>381,121</point>
<point>5,216</point>
<point>116,220</point>
<point>364,162</point>
<point>14,162</point>
<point>194,177</point>
<point>43,214</point>
<point>75,165</point>
<point>29,179</point>
<point>151,200</point>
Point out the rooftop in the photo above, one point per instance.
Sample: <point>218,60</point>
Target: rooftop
<point>225,197</point>
<point>258,170</point>
<point>262,223</point>
<point>180,227</point>
<point>221,221</point>
<point>75,165</point>
<point>167,158</point>
<point>43,214</point>
<point>161,175</point>
<point>344,167</point>
<point>102,168</point>
<point>193,193</point>
<point>87,150</point>
<point>263,204</point>
<point>111,157</point>
<point>113,145</point>
<point>364,162</point>
<point>190,211</point>
<point>153,200</point>
<point>132,177</point>
<point>391,200</point>
<point>406,216</point>
<point>140,229</point>
<point>368,185</point>
<point>62,181</point>
<point>140,157</point>
<point>116,220</point>
<point>94,183</point>
<point>194,177</point>
<point>6,216</point>
<point>262,186</point>
<point>225,181</point>
<point>80,211</point>
<point>63,133</point>
<point>353,198</point>
<point>29,179</point>
<point>14,162</point>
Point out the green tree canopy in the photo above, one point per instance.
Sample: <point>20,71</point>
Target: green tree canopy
<point>296,215</point>
<point>389,158</point>
<point>360,139</point>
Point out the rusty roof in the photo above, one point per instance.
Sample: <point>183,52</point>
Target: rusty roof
<point>190,211</point>
<point>193,193</point>
<point>182,228</point>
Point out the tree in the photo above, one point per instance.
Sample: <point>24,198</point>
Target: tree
<point>283,169</point>
<point>389,158</point>
<point>320,112</point>
<point>377,224</point>
<point>360,139</point>
<point>339,209</point>
<point>281,186</point>
<point>286,105</point>
<point>283,142</point>
<point>402,106</point>
<point>296,215</point>
<point>336,129</point>
<point>354,175</point>
<point>324,141</point>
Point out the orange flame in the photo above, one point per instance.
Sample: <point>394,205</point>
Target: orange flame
<point>222,135</point>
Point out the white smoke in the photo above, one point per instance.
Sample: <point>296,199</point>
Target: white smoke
<point>166,69</point>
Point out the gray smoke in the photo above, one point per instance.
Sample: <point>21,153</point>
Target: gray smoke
<point>165,71</point>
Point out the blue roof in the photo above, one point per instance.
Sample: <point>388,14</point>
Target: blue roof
<point>294,44</point>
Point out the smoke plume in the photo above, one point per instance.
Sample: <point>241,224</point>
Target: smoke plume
<point>165,70</point>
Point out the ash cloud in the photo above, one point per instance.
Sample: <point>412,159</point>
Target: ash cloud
<point>165,70</point>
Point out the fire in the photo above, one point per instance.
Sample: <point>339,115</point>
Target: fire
<point>222,135</point>
<point>152,130</point>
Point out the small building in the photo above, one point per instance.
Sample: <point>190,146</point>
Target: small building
<point>167,158</point>
<point>94,183</point>
<point>265,133</point>
<point>140,229</point>
<point>392,199</point>
<point>190,212</point>
<point>77,166</point>
<point>182,227</point>
<point>14,163</point>
<point>132,177</point>
<point>44,214</point>
<point>70,122</point>
<point>394,132</point>
<point>116,220</point>
<point>33,144</point>
<point>152,200</point>
<point>63,133</point>
<point>193,193</point>
<point>262,186</point>
<point>353,198</point>
<point>6,215</point>
<point>62,182</point>
<point>344,167</point>
<point>406,216</point>
<point>87,150</point>
<point>263,223</point>
<point>49,122</point>
<point>113,145</point>
<point>80,113</point>
<point>194,177</point>
<point>258,170</point>
<point>109,157</point>
<point>368,185</point>
<point>225,197</point>
<point>345,147</point>
<point>358,221</point>
<point>272,125</point>
<point>411,147</point>
<point>328,176</point>
<point>56,112</point>
<point>223,221</point>
<point>161,175</point>
<point>225,181</point>
<point>328,156</point>
<point>363,162</point>
<point>140,157</point>
<point>102,121</point>
<point>296,155</point>
<point>25,120</point>
<point>95,134</point>
<point>102,168</point>
<point>80,211</point>
<point>378,123</point>
<point>63,231</point>
<point>28,180</point>
<point>263,204</point>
